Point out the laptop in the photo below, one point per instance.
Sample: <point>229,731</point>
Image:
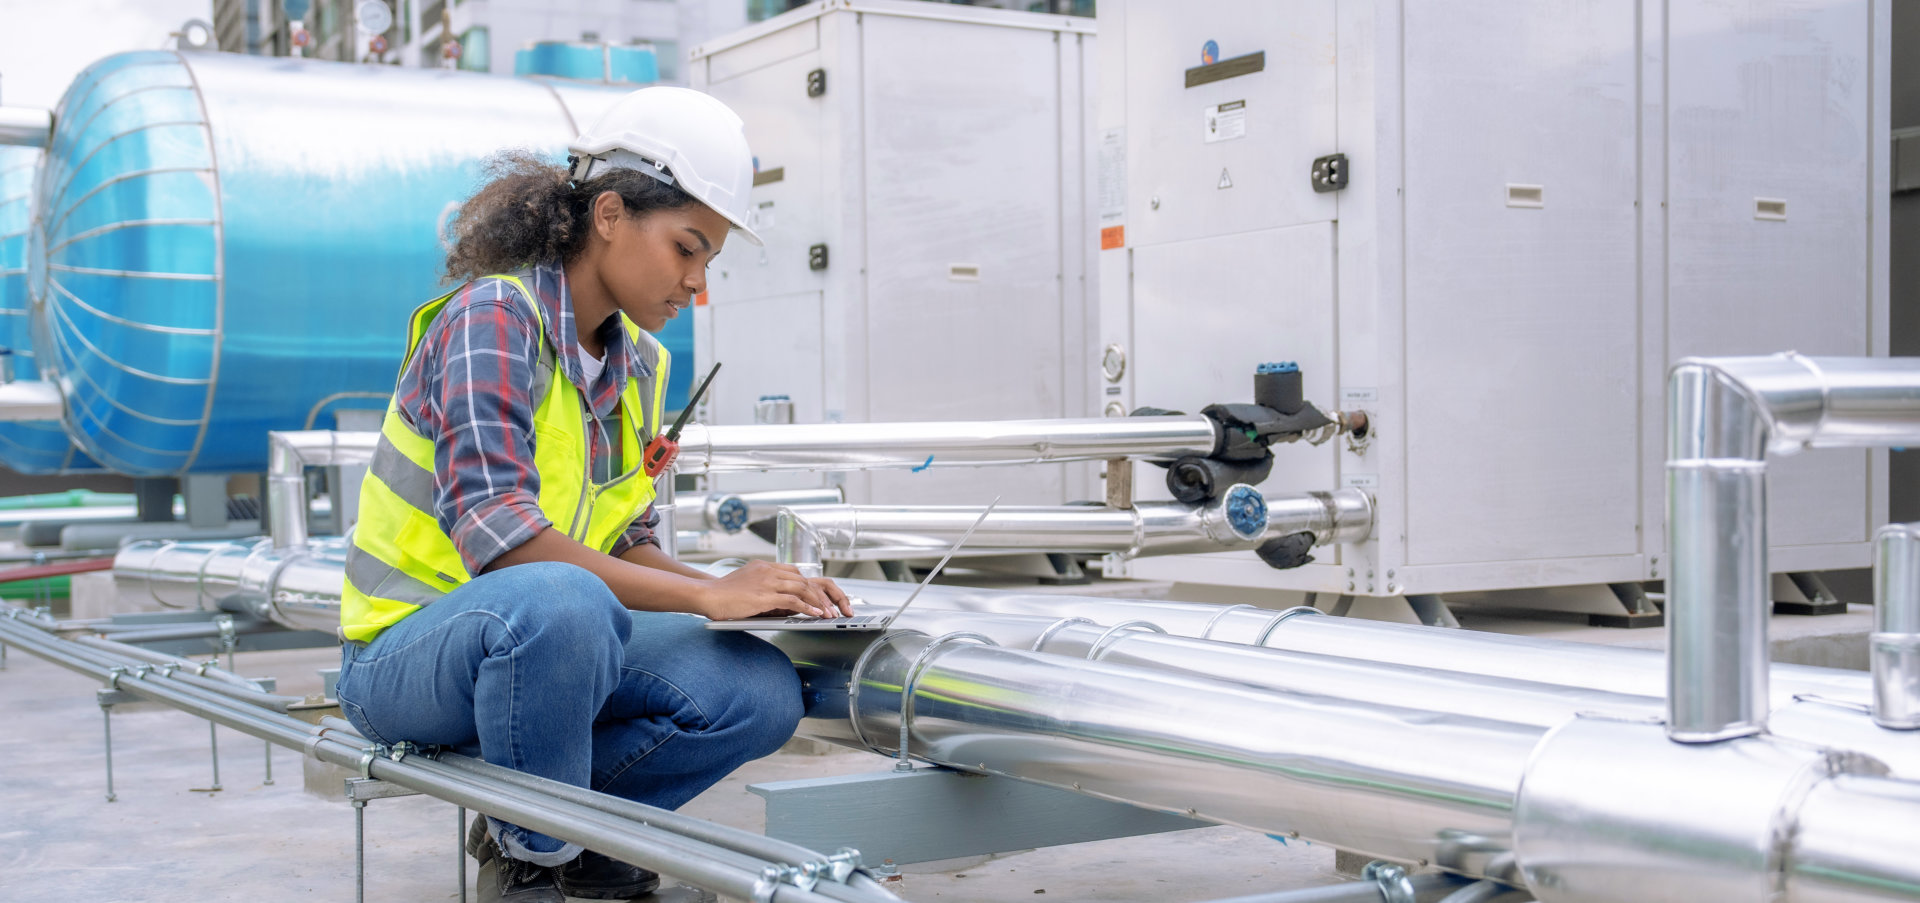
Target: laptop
<point>855,622</point>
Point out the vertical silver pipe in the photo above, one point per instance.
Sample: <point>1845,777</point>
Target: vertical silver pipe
<point>1717,552</point>
<point>1894,648</point>
<point>1717,590</point>
<point>663,504</point>
<point>795,543</point>
<point>1723,416</point>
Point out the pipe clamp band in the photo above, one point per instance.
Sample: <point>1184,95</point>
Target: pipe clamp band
<point>854,681</point>
<point>1113,634</point>
<point>1039,645</point>
<point>1267,631</point>
<point>1207,631</point>
<point>920,664</point>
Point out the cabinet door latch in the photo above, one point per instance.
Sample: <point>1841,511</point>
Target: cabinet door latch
<point>1330,173</point>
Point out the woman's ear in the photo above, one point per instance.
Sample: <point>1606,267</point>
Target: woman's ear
<point>607,210</point>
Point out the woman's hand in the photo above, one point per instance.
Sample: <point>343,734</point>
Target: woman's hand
<point>763,588</point>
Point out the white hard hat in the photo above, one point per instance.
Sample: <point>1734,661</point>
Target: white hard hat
<point>679,136</point>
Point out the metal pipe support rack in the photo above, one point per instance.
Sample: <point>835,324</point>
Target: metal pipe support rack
<point>731,862</point>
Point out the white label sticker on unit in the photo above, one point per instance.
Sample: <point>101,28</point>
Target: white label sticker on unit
<point>763,216</point>
<point>1359,396</point>
<point>1360,480</point>
<point>1113,176</point>
<point>1227,121</point>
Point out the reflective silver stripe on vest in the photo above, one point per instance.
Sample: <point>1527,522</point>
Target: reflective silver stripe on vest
<point>411,482</point>
<point>380,580</point>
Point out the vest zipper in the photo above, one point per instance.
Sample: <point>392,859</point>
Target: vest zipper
<point>601,489</point>
<point>579,525</point>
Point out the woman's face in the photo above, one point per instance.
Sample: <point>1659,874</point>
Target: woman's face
<point>657,261</point>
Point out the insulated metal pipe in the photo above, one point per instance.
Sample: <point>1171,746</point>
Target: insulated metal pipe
<point>1894,647</point>
<point>29,399</point>
<point>289,454</point>
<point>1333,665</point>
<point>1390,782</point>
<point>305,593</point>
<point>1723,416</point>
<point>1853,842</point>
<point>1240,519</point>
<point>731,512</point>
<point>25,127</point>
<point>297,587</point>
<point>875,446</point>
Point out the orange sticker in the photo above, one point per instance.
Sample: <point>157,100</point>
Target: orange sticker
<point>1113,237</point>
<point>700,300</point>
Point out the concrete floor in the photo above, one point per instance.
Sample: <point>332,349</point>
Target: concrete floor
<point>169,837</point>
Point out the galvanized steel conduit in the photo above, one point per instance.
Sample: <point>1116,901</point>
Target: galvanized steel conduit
<point>289,454</point>
<point>716,867</point>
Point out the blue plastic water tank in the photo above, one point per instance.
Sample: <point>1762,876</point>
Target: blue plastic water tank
<point>233,243</point>
<point>27,446</point>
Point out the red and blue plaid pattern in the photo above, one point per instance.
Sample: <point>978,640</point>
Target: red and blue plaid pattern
<point>469,388</point>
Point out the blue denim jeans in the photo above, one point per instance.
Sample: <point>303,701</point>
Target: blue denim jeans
<point>538,668</point>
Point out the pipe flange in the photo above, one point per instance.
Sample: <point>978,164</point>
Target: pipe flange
<point>1395,885</point>
<point>1267,631</point>
<point>1039,645</point>
<point>1207,631</point>
<point>1113,633</point>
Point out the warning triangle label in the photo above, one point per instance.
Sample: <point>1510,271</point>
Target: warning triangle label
<point>1226,181</point>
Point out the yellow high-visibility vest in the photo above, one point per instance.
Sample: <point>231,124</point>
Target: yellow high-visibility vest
<point>401,560</point>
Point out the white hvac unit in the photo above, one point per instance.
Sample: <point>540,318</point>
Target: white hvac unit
<point>922,187</point>
<point>1544,205</point>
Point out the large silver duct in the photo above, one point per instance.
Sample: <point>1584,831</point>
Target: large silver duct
<point>1724,416</point>
<point>1421,760</point>
<point>1240,519</point>
<point>1333,771</point>
<point>1487,798</point>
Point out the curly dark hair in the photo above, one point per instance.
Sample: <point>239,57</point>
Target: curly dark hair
<point>529,212</point>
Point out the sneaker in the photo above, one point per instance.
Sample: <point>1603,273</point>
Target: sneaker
<point>504,879</point>
<point>597,877</point>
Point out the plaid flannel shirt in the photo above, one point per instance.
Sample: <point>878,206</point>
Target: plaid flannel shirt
<point>469,388</point>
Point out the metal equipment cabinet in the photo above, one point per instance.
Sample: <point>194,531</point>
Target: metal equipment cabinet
<point>922,186</point>
<point>1547,204</point>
